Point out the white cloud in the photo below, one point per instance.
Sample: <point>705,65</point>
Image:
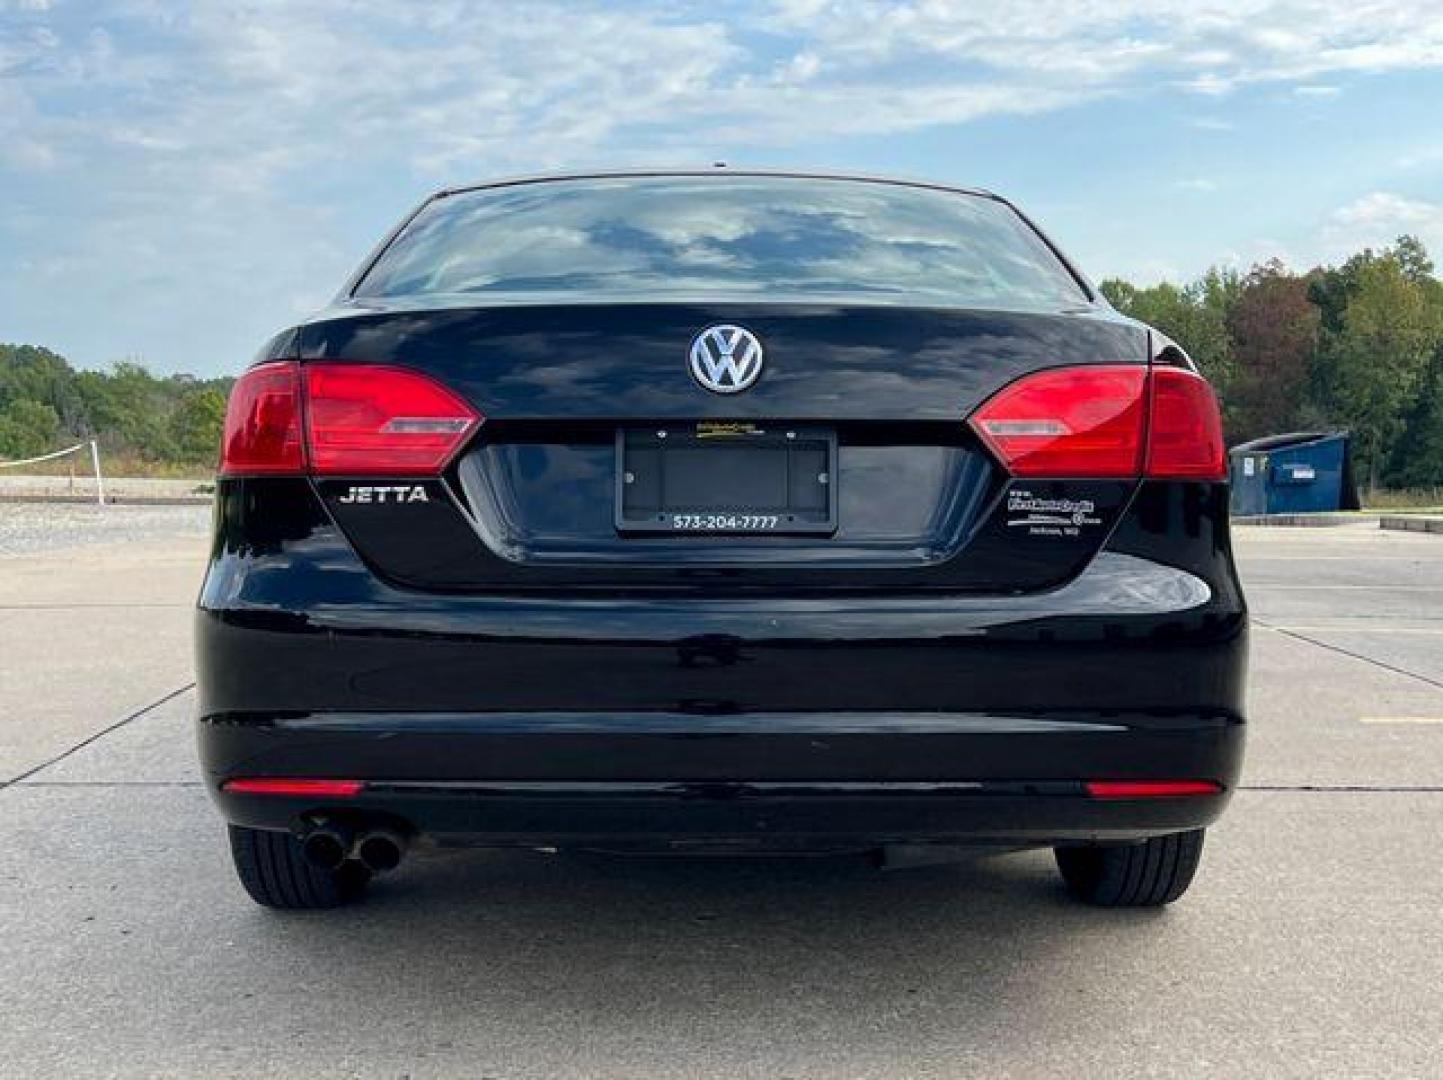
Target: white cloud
<point>202,145</point>
<point>28,155</point>
<point>1211,84</point>
<point>1196,183</point>
<point>1256,252</point>
<point>478,87</point>
<point>1420,158</point>
<point>1210,45</point>
<point>802,67</point>
<point>1379,218</point>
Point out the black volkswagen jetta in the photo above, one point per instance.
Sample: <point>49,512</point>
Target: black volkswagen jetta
<point>719,512</point>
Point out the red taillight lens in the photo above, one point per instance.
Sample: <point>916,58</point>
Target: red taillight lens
<point>294,787</point>
<point>1185,438</point>
<point>263,423</point>
<point>1069,422</point>
<point>1106,420</point>
<point>367,420</point>
<point>341,419</point>
<point>1149,789</point>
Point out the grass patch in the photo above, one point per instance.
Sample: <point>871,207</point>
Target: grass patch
<point>120,466</point>
<point>1417,500</point>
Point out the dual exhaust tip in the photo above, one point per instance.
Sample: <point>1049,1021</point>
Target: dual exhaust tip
<point>329,845</point>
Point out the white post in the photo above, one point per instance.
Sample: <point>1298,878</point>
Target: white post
<point>99,481</point>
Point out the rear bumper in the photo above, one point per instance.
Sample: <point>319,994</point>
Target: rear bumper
<point>776,781</point>
<point>810,719</point>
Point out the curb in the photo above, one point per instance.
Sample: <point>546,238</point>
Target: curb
<point>1308,521</point>
<point>1411,523</point>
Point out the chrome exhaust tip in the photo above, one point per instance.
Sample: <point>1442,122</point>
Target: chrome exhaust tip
<point>381,850</point>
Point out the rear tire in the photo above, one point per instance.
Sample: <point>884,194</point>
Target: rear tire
<point>1150,874</point>
<point>276,875</point>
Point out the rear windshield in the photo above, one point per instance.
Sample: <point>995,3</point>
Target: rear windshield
<point>721,237</point>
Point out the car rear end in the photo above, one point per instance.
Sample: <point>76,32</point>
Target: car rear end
<point>507,554</point>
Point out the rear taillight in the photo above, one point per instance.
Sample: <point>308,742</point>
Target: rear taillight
<point>364,420</point>
<point>263,423</point>
<point>1185,438</point>
<point>1081,421</point>
<point>339,419</point>
<point>1104,421</point>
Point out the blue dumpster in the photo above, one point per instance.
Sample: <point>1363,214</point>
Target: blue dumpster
<point>1301,473</point>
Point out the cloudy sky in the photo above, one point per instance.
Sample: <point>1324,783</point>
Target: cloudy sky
<point>179,179</point>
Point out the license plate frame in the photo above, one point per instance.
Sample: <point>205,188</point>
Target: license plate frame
<point>766,480</point>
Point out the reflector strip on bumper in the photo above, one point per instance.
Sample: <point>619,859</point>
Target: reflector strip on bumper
<point>267,785</point>
<point>1149,789</point>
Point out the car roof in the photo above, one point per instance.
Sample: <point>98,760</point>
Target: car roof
<point>714,170</point>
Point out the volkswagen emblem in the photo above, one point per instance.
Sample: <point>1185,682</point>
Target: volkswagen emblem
<point>726,359</point>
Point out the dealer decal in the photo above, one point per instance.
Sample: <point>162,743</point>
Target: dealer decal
<point>1049,517</point>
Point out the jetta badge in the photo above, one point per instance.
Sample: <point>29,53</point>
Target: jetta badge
<point>726,359</point>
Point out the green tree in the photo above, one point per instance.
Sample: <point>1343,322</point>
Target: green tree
<point>196,426</point>
<point>1194,316</point>
<point>28,428</point>
<point>1416,459</point>
<point>36,374</point>
<point>1413,259</point>
<point>131,408</point>
<point>170,421</point>
<point>1273,328</point>
<point>1373,368</point>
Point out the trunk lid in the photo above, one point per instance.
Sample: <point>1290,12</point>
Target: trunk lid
<point>533,500</point>
<point>826,363</point>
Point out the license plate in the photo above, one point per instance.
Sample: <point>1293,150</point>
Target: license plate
<point>733,478</point>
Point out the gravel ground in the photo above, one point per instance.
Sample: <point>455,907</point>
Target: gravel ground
<point>32,528</point>
<point>84,484</point>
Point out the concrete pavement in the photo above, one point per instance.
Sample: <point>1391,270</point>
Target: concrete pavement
<point>1310,944</point>
<point>95,612</point>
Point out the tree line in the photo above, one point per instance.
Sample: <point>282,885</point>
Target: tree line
<point>144,423</point>
<point>1357,346</point>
